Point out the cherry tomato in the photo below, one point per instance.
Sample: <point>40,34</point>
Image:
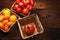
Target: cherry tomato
<point>25,11</point>
<point>1,17</point>
<point>9,24</point>
<point>13,18</point>
<point>6,17</point>
<point>21,4</point>
<point>31,2</point>
<point>29,28</point>
<point>29,7</point>
<point>15,6</point>
<point>6,27</point>
<point>17,1</point>
<point>1,25</point>
<point>25,1</point>
<point>19,10</point>
<point>5,22</point>
<point>6,12</point>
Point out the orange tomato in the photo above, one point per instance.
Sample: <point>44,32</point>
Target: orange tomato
<point>13,18</point>
<point>6,27</point>
<point>6,17</point>
<point>1,17</point>
<point>9,23</point>
<point>5,22</point>
<point>1,25</point>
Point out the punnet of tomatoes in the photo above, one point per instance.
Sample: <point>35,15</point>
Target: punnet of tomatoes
<point>23,7</point>
<point>30,26</point>
<point>7,19</point>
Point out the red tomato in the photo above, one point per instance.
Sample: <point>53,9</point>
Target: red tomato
<point>29,7</point>
<point>25,11</point>
<point>25,1</point>
<point>31,2</point>
<point>19,10</point>
<point>29,28</point>
<point>15,6</point>
<point>21,4</point>
<point>17,1</point>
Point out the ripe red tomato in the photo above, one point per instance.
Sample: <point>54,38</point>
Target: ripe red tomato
<point>25,1</point>
<point>19,10</point>
<point>29,7</point>
<point>29,28</point>
<point>25,11</point>
<point>17,1</point>
<point>21,4</point>
<point>31,2</point>
<point>15,6</point>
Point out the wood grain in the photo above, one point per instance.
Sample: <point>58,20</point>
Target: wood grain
<point>49,15</point>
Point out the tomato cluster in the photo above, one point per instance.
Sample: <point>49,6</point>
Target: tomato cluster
<point>23,6</point>
<point>7,19</point>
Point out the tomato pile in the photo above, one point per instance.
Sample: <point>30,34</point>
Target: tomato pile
<point>29,28</point>
<point>7,19</point>
<point>23,6</point>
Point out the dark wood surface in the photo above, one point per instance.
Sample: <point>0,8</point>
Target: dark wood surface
<point>49,15</point>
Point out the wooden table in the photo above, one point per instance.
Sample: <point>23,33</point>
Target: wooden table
<point>49,15</point>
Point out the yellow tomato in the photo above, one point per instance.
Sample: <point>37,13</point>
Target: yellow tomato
<point>5,22</point>
<point>6,12</point>
<point>1,25</point>
<point>13,18</point>
<point>1,17</point>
